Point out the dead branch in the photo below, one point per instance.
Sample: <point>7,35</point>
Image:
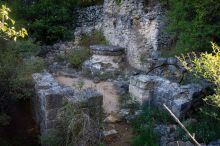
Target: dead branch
<point>182,126</point>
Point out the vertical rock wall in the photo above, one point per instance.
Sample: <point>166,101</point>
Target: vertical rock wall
<point>137,27</point>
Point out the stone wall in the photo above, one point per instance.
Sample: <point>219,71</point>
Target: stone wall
<point>50,96</point>
<point>137,27</point>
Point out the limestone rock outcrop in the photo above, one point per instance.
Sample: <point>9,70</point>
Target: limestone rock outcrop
<point>136,26</point>
<point>157,91</point>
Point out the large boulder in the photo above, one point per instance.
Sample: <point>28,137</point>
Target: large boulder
<point>155,90</point>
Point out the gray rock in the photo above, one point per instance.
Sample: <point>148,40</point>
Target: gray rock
<point>102,65</point>
<point>180,143</point>
<point>167,133</point>
<point>107,50</point>
<point>109,133</point>
<point>112,119</point>
<point>157,91</point>
<point>130,26</point>
<point>50,97</point>
<point>214,143</point>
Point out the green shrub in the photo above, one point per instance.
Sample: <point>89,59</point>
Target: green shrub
<point>118,2</point>
<point>78,56</point>
<point>193,24</point>
<point>48,21</point>
<point>15,71</point>
<point>21,84</point>
<point>25,48</point>
<point>206,66</point>
<point>144,126</point>
<point>86,3</point>
<point>93,39</point>
<point>208,126</point>
<point>53,138</point>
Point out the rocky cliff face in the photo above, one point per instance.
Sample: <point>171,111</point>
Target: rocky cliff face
<point>135,25</point>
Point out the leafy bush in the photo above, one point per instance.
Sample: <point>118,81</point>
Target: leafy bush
<point>193,24</point>
<point>15,72</point>
<point>25,48</point>
<point>22,82</point>
<point>95,38</point>
<point>78,56</point>
<point>206,66</point>
<point>144,126</point>
<point>118,2</point>
<point>7,29</point>
<point>49,21</point>
<point>208,126</point>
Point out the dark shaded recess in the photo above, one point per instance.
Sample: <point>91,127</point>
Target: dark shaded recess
<point>22,130</point>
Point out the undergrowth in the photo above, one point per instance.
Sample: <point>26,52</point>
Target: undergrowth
<point>144,126</point>
<point>95,38</point>
<point>78,56</point>
<point>207,127</point>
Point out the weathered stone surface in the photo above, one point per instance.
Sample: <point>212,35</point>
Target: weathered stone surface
<point>107,50</point>
<point>112,119</point>
<point>106,61</point>
<point>129,25</point>
<point>214,143</point>
<point>89,20</point>
<point>132,25</point>
<point>50,97</point>
<point>109,133</point>
<point>167,133</point>
<point>89,16</point>
<point>180,143</point>
<point>157,91</point>
<point>169,68</point>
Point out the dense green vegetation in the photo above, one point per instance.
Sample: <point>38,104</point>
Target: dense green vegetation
<point>76,128</point>
<point>192,24</point>
<point>144,127</point>
<point>15,71</point>
<point>48,21</point>
<point>207,125</point>
<point>78,56</point>
<point>7,29</point>
<point>92,39</point>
